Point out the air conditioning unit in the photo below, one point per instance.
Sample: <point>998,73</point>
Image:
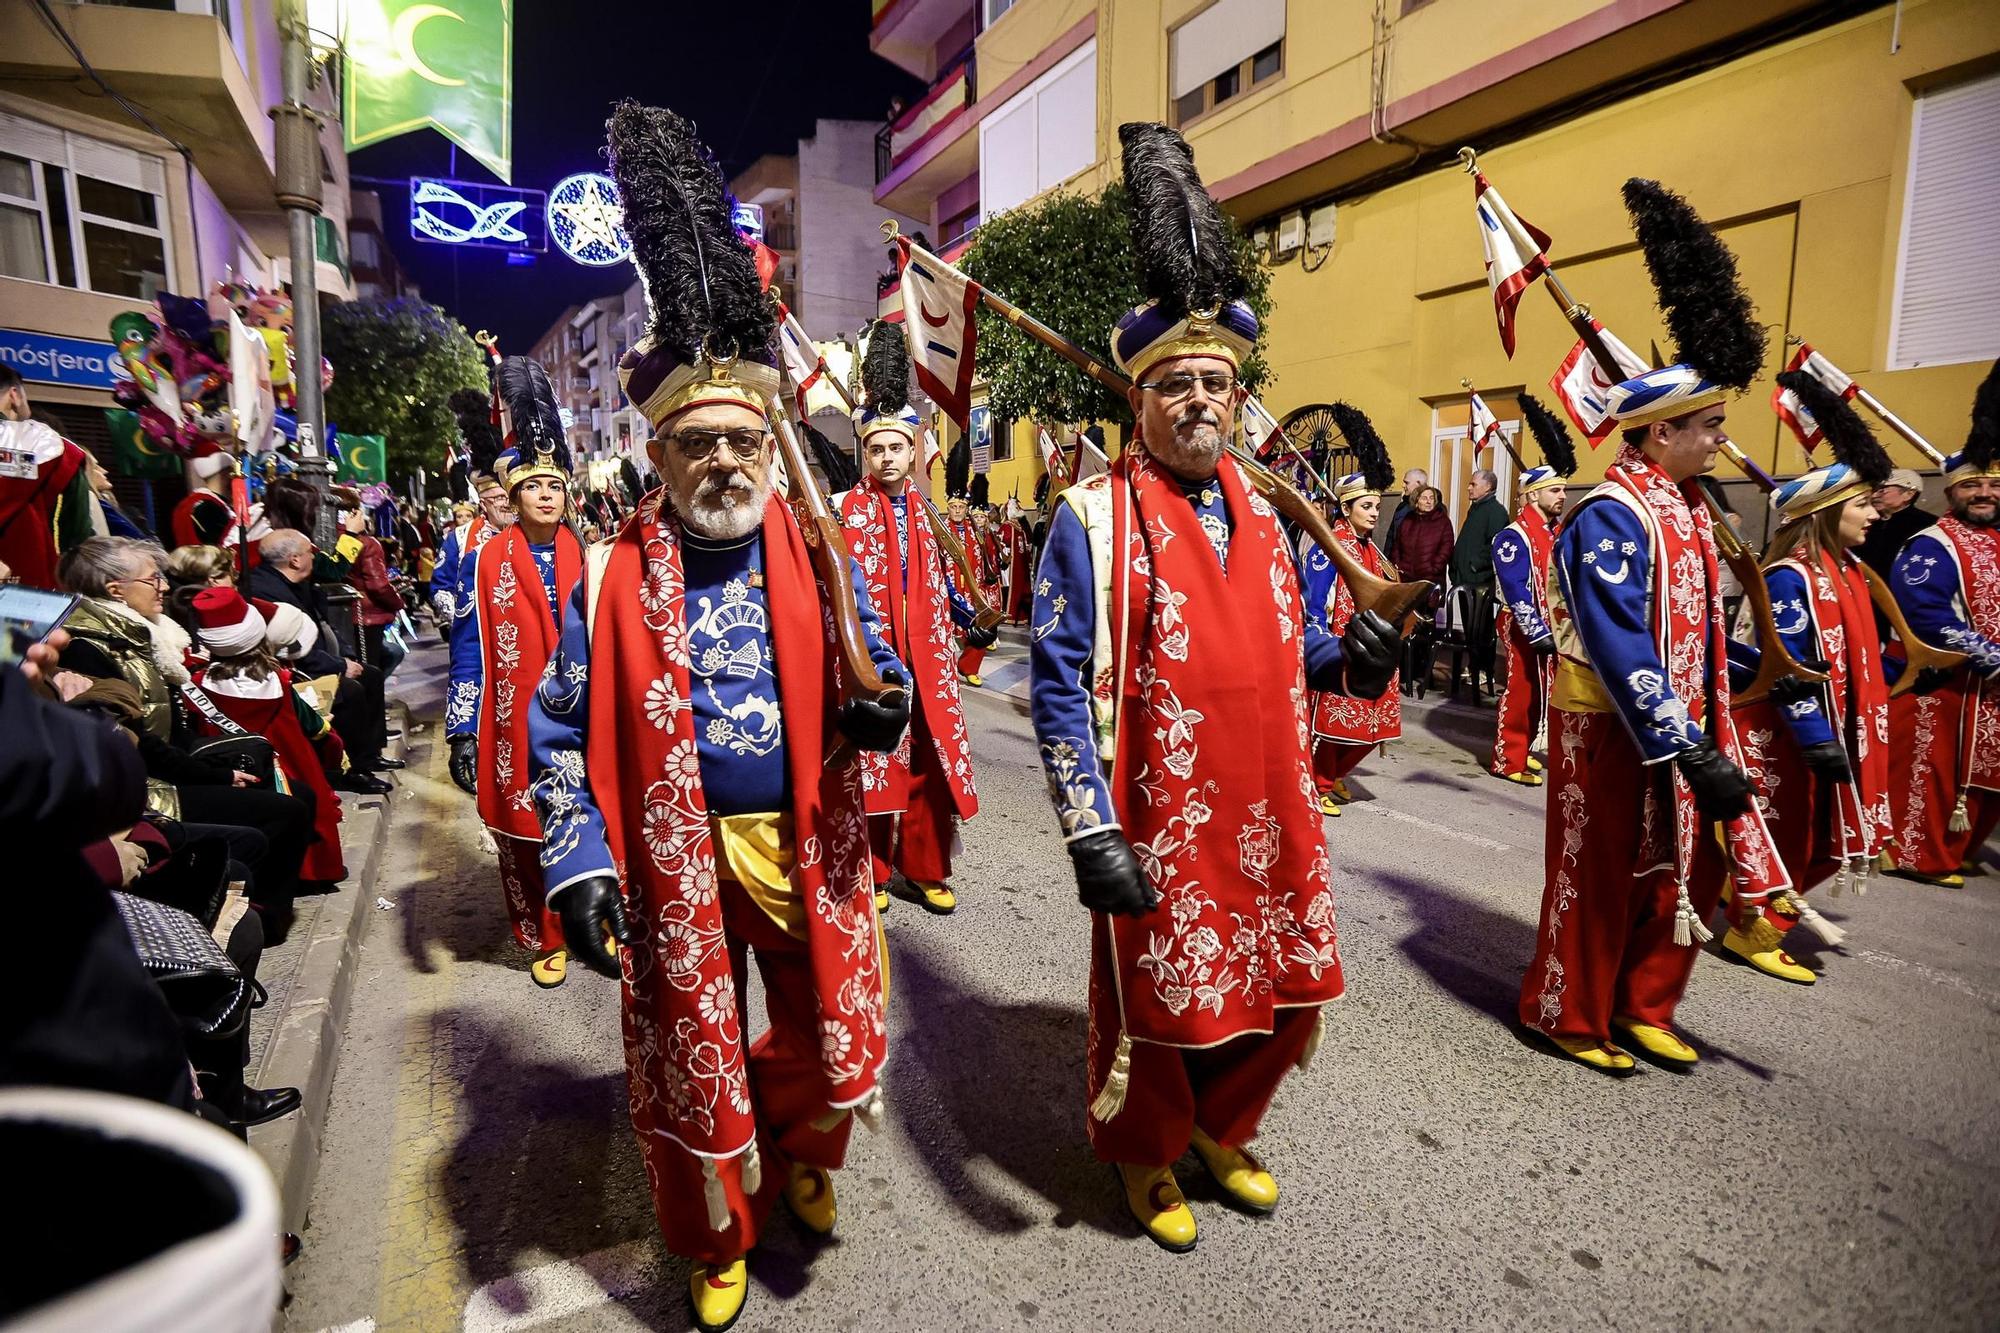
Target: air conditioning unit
<point>1260,240</point>
<point>1291,235</point>
<point>1319,227</point>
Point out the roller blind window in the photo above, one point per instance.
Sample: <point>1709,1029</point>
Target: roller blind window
<point>1947,307</point>
<point>1044,135</point>
<point>1222,53</point>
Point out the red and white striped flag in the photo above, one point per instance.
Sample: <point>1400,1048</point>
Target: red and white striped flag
<point>1793,412</point>
<point>930,454</point>
<point>1090,460</point>
<point>1515,254</point>
<point>938,302</point>
<point>1260,428</point>
<point>1484,426</point>
<point>1584,388</point>
<point>1053,461</point>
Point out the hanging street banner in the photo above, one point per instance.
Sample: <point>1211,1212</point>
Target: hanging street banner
<point>446,65</point>
<point>489,216</point>
<point>363,458</point>
<point>133,454</point>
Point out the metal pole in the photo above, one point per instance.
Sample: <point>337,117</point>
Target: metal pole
<point>298,173</point>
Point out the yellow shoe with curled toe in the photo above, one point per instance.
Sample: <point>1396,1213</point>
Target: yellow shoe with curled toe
<point>1328,805</point>
<point>1659,1043</point>
<point>809,1194</point>
<point>549,969</point>
<point>881,901</point>
<point>1241,1176</point>
<point>1158,1206</point>
<point>1341,791</point>
<point>1534,764</point>
<point>934,896</point>
<point>1602,1056</point>
<point>716,1292</point>
<point>1526,779</point>
<point>975,680</point>
<point>1763,948</point>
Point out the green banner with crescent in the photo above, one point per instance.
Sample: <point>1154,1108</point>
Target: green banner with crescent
<point>363,458</point>
<point>445,64</point>
<point>132,453</point>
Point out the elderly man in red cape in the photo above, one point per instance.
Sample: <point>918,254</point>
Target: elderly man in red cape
<point>916,795</point>
<point>680,744</point>
<point>1171,658</point>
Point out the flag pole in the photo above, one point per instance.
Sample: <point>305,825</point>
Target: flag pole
<point>1520,465</point>
<point>1875,405</point>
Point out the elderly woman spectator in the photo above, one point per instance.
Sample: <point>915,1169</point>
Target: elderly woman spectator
<point>1421,548</point>
<point>119,628</point>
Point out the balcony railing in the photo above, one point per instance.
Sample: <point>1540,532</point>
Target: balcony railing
<point>956,88</point>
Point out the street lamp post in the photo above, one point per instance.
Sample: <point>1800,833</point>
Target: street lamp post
<point>299,194</point>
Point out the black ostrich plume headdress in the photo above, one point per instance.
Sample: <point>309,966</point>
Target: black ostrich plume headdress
<point>1713,324</point>
<point>531,402</point>
<point>958,468</point>
<point>1982,443</point>
<point>841,474</point>
<point>474,410</point>
<point>1852,441</point>
<point>979,492</point>
<point>1187,259</point>
<point>885,370</point>
<point>1553,438</point>
<point>1369,450</point>
<point>702,290</point>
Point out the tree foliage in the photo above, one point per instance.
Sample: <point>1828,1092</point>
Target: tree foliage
<point>395,365</point>
<point>1068,260</point>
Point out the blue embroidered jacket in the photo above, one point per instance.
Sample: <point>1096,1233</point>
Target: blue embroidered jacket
<point>444,579</point>
<point>1925,582</point>
<point>1514,571</point>
<point>1792,616</point>
<point>961,608</point>
<point>468,655</point>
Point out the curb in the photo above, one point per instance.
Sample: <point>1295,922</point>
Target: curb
<point>304,1047</point>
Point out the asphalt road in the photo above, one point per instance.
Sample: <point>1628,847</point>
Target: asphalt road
<point>1831,1164</point>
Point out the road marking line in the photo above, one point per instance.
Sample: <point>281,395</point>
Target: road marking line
<point>1924,971</point>
<point>1377,808</point>
<point>564,1288</point>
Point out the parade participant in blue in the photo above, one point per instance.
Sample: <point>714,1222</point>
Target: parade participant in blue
<point>1521,571</point>
<point>516,586</point>
<point>918,795</point>
<point>482,447</point>
<point>680,745</point>
<point>1944,768</point>
<point>1645,754</point>
<point>1171,658</point>
<point>1345,728</point>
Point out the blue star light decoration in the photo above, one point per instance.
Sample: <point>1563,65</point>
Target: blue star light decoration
<point>586,221</point>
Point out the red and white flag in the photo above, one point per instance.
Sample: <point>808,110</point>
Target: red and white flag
<point>938,302</point>
<point>930,455</point>
<point>1516,254</point>
<point>1484,427</point>
<point>1793,412</point>
<point>1090,460</point>
<point>1584,389</point>
<point>1260,429</point>
<point>1053,461</point>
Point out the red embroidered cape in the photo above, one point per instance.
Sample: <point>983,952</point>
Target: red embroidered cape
<point>966,534</point>
<point>919,628</point>
<point>276,718</point>
<point>28,517</point>
<point>1210,779</point>
<point>1342,717</point>
<point>684,1034</point>
<point>1015,549</point>
<point>517,637</point>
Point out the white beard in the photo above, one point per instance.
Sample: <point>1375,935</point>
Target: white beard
<point>708,515</point>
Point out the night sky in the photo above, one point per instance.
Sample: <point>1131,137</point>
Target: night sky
<point>753,78</point>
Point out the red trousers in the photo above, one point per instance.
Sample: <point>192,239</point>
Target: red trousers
<point>969,660</point>
<point>536,925</point>
<point>787,1091</point>
<point>1224,1090</point>
<point>1605,945</point>
<point>917,841</point>
<point>1524,700</point>
<point>1334,760</point>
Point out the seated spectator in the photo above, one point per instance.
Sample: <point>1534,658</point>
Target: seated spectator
<point>118,630</point>
<point>285,577</point>
<point>199,567</point>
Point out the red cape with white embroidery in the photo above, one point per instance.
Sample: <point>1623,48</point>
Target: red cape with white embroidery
<point>1344,728</point>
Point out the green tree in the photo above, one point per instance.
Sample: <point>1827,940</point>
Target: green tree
<point>1068,260</point>
<point>395,365</point>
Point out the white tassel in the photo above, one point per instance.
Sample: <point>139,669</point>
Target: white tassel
<point>1810,918</point>
<point>1860,876</point>
<point>869,1113</point>
<point>753,1169</point>
<point>715,1194</point>
<point>486,843</point>
<point>1960,822</point>
<point>1110,1098</point>
<point>1841,879</point>
<point>1312,1042</point>
<point>1688,928</point>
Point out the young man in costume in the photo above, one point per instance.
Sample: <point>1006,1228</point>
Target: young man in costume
<point>1644,753</point>
<point>1344,728</point>
<point>958,520</point>
<point>517,584</point>
<point>1171,658</point>
<point>1945,745</point>
<point>680,744</point>
<point>494,513</point>
<point>1820,762</point>
<point>1521,572</point>
<point>916,796</point>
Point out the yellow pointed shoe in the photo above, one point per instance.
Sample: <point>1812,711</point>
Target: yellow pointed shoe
<point>1341,791</point>
<point>716,1292</point>
<point>1241,1176</point>
<point>934,897</point>
<point>975,680</point>
<point>881,901</point>
<point>1534,764</point>
<point>549,969</point>
<point>1328,805</point>
<point>809,1194</point>
<point>1158,1206</point>
<point>1525,778</point>
<point>1603,1056</point>
<point>1658,1043</point>
<point>1763,948</point>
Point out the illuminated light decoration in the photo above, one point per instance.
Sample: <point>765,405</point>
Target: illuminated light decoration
<point>464,213</point>
<point>587,222</point>
<point>749,220</point>
<point>568,417</point>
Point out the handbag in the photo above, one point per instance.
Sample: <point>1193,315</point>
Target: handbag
<point>204,988</point>
<point>235,748</point>
<point>195,879</point>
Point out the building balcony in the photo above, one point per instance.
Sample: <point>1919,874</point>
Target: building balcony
<point>907,32</point>
<point>929,146</point>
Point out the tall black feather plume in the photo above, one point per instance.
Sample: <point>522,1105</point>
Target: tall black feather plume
<point>978,496</point>
<point>531,402</point>
<point>1369,449</point>
<point>700,278</point>
<point>1982,443</point>
<point>474,411</point>
<point>1558,449</point>
<point>841,474</point>
<point>1714,326</point>
<point>1187,256</point>
<point>958,468</point>
<point>635,485</point>
<point>885,370</point>
<point>1852,441</point>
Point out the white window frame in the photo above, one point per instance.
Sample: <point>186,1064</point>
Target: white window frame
<point>992,11</point>
<point>1898,358</point>
<point>77,216</point>
<point>1450,449</point>
<point>39,205</point>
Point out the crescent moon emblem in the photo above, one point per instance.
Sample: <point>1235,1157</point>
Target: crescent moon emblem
<point>935,321</point>
<point>404,35</point>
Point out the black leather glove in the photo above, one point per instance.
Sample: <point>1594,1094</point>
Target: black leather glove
<point>1372,650</point>
<point>1720,788</point>
<point>1828,760</point>
<point>1108,877</point>
<point>981,638</point>
<point>588,908</point>
<point>1790,689</point>
<point>1930,680</point>
<point>876,726</point>
<point>465,763</point>
<point>1545,647</point>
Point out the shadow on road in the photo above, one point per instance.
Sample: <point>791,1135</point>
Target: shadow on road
<point>1471,951</point>
<point>1465,728</point>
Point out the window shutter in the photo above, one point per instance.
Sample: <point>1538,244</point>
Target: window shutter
<point>1222,37</point>
<point>120,166</point>
<point>1066,111</point>
<point>30,138</point>
<point>1045,134</point>
<point>1947,306</point>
